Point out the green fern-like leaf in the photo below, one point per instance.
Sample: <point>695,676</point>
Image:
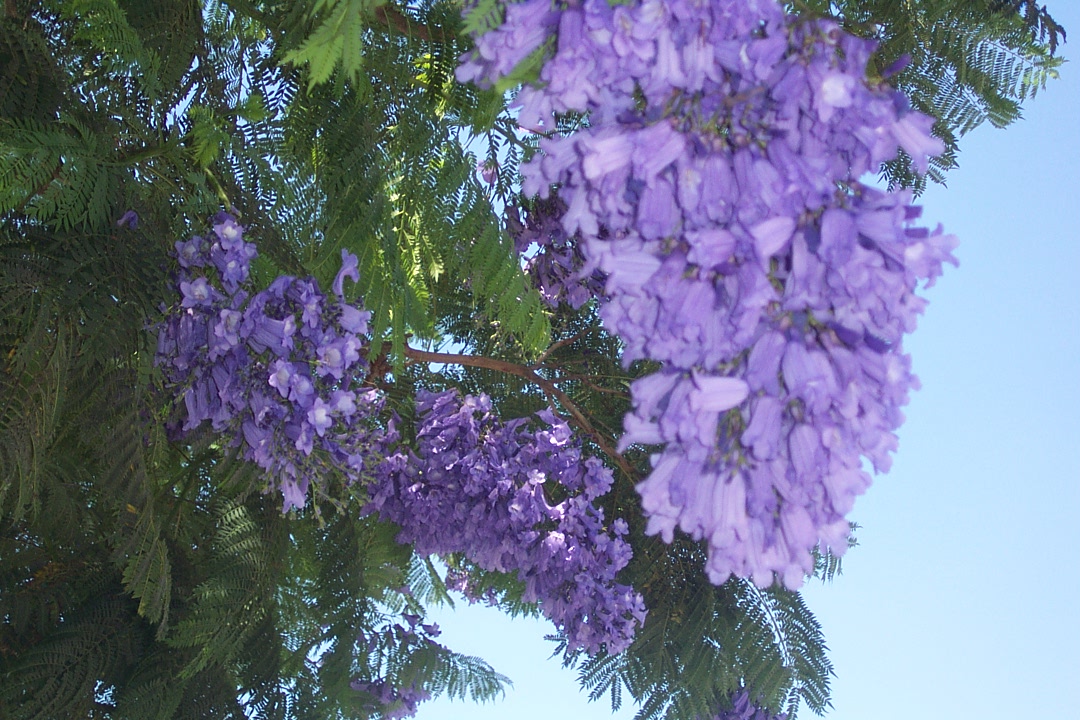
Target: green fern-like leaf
<point>148,573</point>
<point>336,39</point>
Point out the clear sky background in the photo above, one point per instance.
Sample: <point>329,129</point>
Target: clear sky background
<point>963,599</point>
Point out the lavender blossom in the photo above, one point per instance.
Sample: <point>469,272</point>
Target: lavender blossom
<point>280,374</point>
<point>130,220</point>
<point>743,708</point>
<point>717,187</point>
<point>498,52</point>
<point>556,265</point>
<point>476,486</point>
<point>243,361</point>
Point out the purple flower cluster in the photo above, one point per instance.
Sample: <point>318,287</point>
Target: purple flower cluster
<point>743,709</point>
<point>393,702</point>
<point>280,373</point>
<point>717,186</point>
<point>476,486</point>
<point>526,27</point>
<point>557,264</point>
<point>280,370</point>
<point>390,699</point>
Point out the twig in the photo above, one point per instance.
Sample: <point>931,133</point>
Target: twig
<point>500,128</point>
<point>556,345</point>
<point>472,361</point>
<point>41,188</point>
<point>585,379</point>
<point>393,18</point>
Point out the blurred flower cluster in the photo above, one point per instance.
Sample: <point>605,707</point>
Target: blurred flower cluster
<point>556,263</point>
<point>742,708</point>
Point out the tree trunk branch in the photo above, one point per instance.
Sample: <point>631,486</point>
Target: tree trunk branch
<point>553,393</point>
<point>394,19</point>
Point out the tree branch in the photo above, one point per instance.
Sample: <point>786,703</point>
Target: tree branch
<point>587,381</point>
<point>556,345</point>
<point>577,417</point>
<point>40,189</point>
<point>389,15</point>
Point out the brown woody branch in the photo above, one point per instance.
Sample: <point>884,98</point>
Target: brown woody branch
<point>40,189</point>
<point>389,15</point>
<point>588,382</point>
<point>559,344</point>
<point>577,417</point>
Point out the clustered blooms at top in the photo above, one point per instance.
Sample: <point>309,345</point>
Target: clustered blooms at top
<point>475,485</point>
<point>280,373</point>
<point>393,702</point>
<point>280,370</point>
<point>556,264</point>
<point>717,186</point>
<point>743,709</point>
<point>390,698</point>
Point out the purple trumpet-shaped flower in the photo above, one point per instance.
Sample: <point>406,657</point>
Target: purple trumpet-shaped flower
<point>353,320</point>
<point>489,171</point>
<point>775,305</point>
<point>229,232</point>
<point>240,360</point>
<point>190,252</point>
<point>281,375</point>
<point>197,293</point>
<point>129,219</point>
<point>475,486</point>
<point>320,416</point>
<point>350,268</point>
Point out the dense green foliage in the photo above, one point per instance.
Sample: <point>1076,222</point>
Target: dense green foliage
<point>145,578</point>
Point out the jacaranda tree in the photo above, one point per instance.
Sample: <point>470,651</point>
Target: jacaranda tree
<point>316,314</point>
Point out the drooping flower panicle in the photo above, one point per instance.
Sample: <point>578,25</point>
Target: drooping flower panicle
<point>555,261</point>
<point>278,371</point>
<point>477,486</point>
<point>717,186</point>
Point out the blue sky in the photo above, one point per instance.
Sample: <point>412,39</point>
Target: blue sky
<point>963,599</point>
